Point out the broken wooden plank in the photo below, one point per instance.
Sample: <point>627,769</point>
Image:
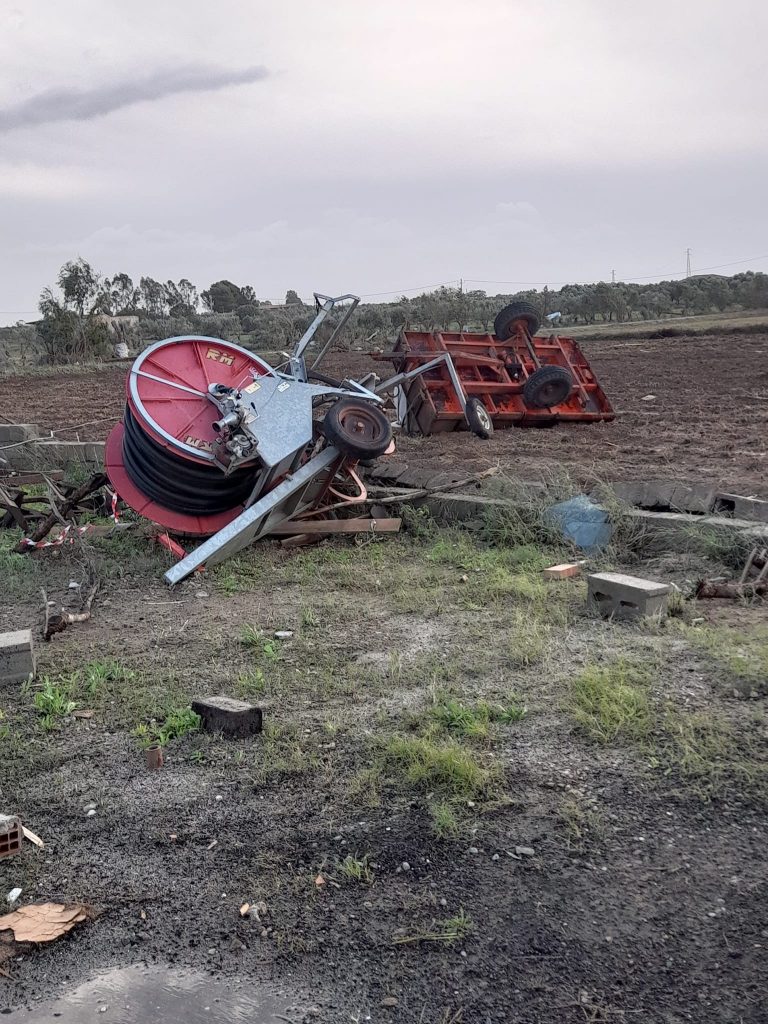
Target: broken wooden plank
<point>314,526</point>
<point>31,478</point>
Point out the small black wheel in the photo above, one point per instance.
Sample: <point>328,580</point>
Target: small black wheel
<point>547,386</point>
<point>478,418</point>
<point>357,428</point>
<point>504,324</point>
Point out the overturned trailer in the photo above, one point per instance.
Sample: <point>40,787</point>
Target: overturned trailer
<point>510,378</point>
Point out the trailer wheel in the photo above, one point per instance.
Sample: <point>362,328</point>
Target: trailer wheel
<point>478,418</point>
<point>503,325</point>
<point>548,386</point>
<point>357,428</point>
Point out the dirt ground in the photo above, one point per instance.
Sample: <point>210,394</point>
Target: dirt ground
<point>709,419</point>
<point>472,802</point>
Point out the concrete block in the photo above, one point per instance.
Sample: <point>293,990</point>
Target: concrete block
<point>12,432</point>
<point>448,507</point>
<point>17,656</point>
<point>676,531</point>
<point>387,470</point>
<point>741,507</point>
<point>228,716</point>
<point>57,455</point>
<point>10,835</point>
<point>666,494</point>
<point>614,595</point>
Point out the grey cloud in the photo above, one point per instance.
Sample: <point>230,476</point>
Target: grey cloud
<point>54,105</point>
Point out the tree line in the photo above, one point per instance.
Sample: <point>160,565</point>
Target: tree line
<point>74,314</point>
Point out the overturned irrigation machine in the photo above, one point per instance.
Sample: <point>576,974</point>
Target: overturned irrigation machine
<point>215,443</point>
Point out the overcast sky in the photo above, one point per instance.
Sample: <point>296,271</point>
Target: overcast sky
<point>380,146</point>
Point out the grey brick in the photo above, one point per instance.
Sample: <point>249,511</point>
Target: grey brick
<point>615,595</point>
<point>17,656</point>
<point>228,716</point>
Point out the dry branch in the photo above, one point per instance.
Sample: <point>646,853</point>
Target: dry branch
<point>67,506</point>
<point>425,492</point>
<point>707,588</point>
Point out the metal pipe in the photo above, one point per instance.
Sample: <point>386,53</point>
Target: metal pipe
<point>339,327</point>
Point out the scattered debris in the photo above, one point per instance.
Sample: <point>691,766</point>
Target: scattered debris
<point>525,851</point>
<point>753,581</point>
<point>56,622</point>
<point>43,922</point>
<point>154,756</point>
<point>10,835</point>
<point>84,713</point>
<point>63,505</point>
<point>13,896</point>
<point>284,634</point>
<point>320,881</point>
<point>648,398</point>
<point>30,835</point>
<point>582,522</point>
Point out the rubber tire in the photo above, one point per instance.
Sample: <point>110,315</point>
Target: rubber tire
<point>547,377</point>
<point>336,433</point>
<point>505,319</point>
<point>315,377</point>
<point>479,418</point>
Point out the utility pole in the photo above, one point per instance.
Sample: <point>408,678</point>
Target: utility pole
<point>688,262</point>
<point>613,277</point>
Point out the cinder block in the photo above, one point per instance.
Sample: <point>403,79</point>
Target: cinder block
<point>10,835</point>
<point>614,595</point>
<point>755,509</point>
<point>666,494</point>
<point>228,716</point>
<point>13,432</point>
<point>17,656</point>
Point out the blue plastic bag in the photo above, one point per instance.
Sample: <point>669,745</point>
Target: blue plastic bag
<point>583,522</point>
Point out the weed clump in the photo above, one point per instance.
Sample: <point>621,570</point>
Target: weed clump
<point>443,766</point>
<point>611,702</point>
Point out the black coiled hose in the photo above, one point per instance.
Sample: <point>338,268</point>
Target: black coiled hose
<point>176,483</point>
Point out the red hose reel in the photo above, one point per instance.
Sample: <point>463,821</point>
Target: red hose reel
<point>166,395</point>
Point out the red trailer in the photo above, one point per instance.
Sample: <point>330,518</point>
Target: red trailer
<point>521,379</point>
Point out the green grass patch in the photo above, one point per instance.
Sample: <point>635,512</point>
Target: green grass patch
<point>178,722</point>
<point>611,702</point>
<point>743,657</point>
<point>443,766</point>
<point>20,573</point>
<point>708,755</point>
<point>473,721</point>
<point>53,702</point>
<point>445,822</point>
<point>102,676</point>
<point>711,758</point>
<point>356,869</point>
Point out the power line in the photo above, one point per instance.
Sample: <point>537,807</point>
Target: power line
<point>404,291</point>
